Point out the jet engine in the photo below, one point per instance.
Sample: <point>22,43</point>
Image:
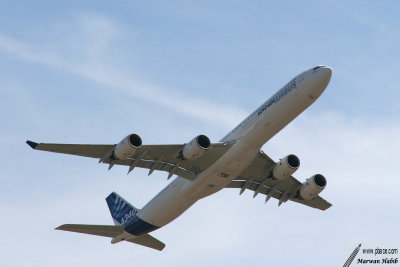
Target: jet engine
<point>286,167</point>
<point>127,147</point>
<point>196,147</point>
<point>312,186</point>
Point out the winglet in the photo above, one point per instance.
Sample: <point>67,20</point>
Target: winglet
<point>32,144</point>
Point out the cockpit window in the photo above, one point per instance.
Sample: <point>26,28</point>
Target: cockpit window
<point>317,67</point>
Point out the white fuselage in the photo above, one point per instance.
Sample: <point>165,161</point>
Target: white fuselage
<point>250,135</point>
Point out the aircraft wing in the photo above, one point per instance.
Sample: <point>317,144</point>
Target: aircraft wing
<point>257,177</point>
<point>153,157</point>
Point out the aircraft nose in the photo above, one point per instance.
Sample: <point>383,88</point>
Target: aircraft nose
<point>319,80</point>
<point>324,76</point>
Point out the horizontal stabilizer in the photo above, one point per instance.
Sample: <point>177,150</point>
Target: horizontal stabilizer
<point>112,231</point>
<point>100,230</point>
<point>148,241</point>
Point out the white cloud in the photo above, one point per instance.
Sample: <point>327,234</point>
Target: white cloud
<point>81,51</point>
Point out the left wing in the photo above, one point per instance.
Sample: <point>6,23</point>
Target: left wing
<point>153,157</point>
<point>257,177</point>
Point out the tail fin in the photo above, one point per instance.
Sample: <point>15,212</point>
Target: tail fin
<point>122,212</point>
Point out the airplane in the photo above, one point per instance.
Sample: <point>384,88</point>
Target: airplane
<point>204,168</point>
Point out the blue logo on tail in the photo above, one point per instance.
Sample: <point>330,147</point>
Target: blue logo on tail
<point>122,212</point>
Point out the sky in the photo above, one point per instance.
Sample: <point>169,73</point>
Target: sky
<point>95,71</point>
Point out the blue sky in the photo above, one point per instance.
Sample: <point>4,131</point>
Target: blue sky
<point>93,72</point>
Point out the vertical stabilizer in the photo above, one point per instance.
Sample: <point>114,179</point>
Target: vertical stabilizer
<point>122,212</point>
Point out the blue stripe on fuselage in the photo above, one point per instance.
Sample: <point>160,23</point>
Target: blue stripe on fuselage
<point>140,227</point>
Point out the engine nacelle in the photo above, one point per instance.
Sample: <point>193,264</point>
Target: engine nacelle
<point>312,186</point>
<point>127,147</point>
<point>196,147</point>
<point>286,167</point>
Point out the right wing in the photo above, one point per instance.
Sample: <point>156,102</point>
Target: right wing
<point>112,231</point>
<point>152,157</point>
<point>257,177</point>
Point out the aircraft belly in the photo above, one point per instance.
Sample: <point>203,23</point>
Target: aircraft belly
<point>223,171</point>
<point>182,193</point>
<point>168,204</point>
<point>273,121</point>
